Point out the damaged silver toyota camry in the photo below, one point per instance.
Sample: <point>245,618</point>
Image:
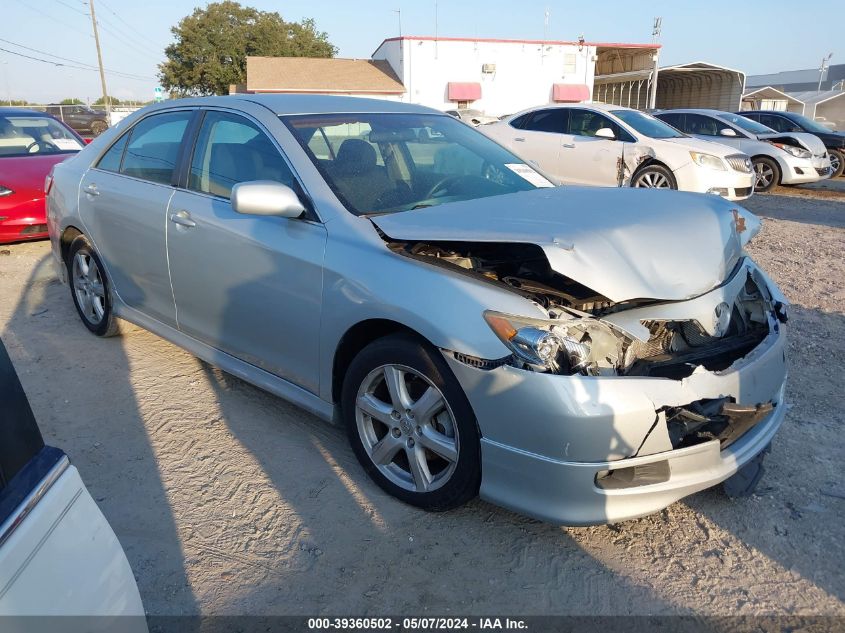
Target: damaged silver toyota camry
<point>578,355</point>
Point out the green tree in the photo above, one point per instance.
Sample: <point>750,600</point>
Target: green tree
<point>112,101</point>
<point>212,45</point>
<point>71,102</point>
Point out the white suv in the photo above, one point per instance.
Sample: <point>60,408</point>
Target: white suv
<point>614,146</point>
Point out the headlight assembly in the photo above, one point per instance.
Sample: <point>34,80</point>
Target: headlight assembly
<point>798,152</point>
<point>708,160</point>
<point>576,345</point>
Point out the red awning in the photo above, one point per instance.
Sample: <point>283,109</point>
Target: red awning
<point>464,91</point>
<point>570,92</point>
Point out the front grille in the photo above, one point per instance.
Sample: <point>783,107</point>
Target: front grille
<point>33,229</point>
<point>739,162</point>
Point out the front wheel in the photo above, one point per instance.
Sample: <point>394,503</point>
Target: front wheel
<point>411,425</point>
<point>837,162</point>
<point>98,127</point>
<point>89,289</point>
<point>654,177</point>
<point>766,172</point>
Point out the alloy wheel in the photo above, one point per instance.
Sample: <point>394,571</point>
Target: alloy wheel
<point>834,163</point>
<point>88,287</point>
<point>652,180</point>
<point>765,174</point>
<point>407,428</point>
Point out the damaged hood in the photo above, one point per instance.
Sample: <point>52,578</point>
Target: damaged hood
<point>623,243</point>
<point>804,139</point>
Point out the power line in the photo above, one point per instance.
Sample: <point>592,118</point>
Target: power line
<point>76,61</point>
<point>55,63</point>
<point>130,28</point>
<point>72,8</point>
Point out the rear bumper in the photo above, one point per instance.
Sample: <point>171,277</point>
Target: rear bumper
<point>23,222</point>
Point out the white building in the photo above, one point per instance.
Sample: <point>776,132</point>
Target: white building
<point>495,76</point>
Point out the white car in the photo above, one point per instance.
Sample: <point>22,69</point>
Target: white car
<point>614,146</point>
<point>792,158</point>
<point>58,554</point>
<point>473,117</point>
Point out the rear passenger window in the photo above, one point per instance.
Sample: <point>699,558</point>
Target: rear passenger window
<point>154,147</point>
<point>111,159</point>
<point>552,120</point>
<point>702,125</point>
<point>231,149</point>
<point>675,119</point>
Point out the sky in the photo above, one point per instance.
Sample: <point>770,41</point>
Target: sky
<point>754,37</point>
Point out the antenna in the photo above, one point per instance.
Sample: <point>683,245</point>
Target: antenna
<point>655,36</point>
<point>823,69</point>
<point>435,29</point>
<point>398,13</point>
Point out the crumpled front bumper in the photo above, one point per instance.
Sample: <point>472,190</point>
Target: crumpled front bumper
<point>546,437</point>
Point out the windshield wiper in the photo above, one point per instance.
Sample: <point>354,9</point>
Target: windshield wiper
<point>421,205</point>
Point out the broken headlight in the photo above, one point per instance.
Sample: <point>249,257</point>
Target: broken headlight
<point>576,345</point>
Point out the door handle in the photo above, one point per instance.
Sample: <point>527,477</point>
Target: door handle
<point>520,139</point>
<point>182,218</point>
<point>91,190</point>
<point>569,145</point>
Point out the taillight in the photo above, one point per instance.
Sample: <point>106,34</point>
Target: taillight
<point>48,182</point>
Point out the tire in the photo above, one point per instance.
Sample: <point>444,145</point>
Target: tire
<point>98,127</point>
<point>837,160</point>
<point>654,177</point>
<point>767,173</point>
<point>431,411</point>
<point>89,289</point>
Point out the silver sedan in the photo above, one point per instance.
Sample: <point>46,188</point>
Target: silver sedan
<point>578,355</point>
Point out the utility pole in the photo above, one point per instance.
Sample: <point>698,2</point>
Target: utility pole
<point>655,38</point>
<point>823,69</point>
<point>100,61</point>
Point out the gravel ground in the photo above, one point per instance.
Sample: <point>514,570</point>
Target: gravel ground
<point>229,501</point>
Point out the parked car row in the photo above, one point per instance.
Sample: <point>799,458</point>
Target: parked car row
<point>704,151</point>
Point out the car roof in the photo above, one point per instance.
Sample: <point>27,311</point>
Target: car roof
<point>6,111</point>
<point>709,111</point>
<point>307,104</point>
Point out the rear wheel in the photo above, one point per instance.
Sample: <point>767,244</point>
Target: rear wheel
<point>654,177</point>
<point>837,162</point>
<point>410,424</point>
<point>766,172</point>
<point>89,289</point>
<point>98,127</point>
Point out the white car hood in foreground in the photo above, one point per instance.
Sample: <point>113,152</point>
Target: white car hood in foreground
<point>623,243</point>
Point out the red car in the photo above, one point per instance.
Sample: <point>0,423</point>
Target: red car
<point>30,144</point>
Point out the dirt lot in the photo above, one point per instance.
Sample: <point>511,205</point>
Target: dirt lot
<point>230,501</point>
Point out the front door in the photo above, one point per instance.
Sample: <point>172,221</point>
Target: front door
<point>123,203</point>
<point>250,286</point>
<point>587,159</point>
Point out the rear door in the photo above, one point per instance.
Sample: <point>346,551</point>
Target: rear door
<point>586,159</point>
<point>540,138</point>
<point>250,286</point>
<point>123,202</point>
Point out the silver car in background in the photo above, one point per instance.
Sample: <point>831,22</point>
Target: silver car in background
<point>579,355</point>
<point>778,158</point>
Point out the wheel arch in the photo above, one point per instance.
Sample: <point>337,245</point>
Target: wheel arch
<point>68,235</point>
<point>357,338</point>
<point>651,161</point>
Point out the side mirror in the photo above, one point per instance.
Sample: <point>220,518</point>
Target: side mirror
<point>605,132</point>
<point>266,197</point>
<point>726,131</point>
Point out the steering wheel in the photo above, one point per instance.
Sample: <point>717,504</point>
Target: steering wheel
<point>442,185</point>
<point>43,146</point>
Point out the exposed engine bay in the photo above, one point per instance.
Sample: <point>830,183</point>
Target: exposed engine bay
<point>576,339</point>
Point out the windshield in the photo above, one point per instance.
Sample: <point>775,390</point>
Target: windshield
<point>35,135</point>
<point>647,125</point>
<point>383,163</point>
<point>746,124</point>
<point>810,125</point>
